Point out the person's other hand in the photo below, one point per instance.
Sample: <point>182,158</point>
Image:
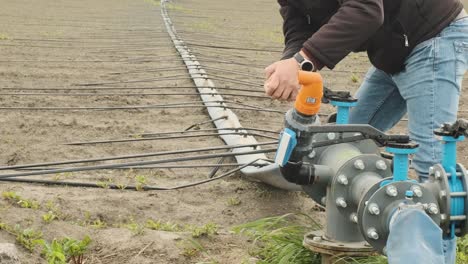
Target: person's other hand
<point>281,80</point>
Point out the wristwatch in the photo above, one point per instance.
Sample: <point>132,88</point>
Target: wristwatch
<point>304,64</point>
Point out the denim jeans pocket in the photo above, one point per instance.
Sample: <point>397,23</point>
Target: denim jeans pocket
<point>461,60</point>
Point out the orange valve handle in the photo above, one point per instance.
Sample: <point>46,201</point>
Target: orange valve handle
<point>310,95</point>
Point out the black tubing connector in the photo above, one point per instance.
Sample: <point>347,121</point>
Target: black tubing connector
<point>298,173</point>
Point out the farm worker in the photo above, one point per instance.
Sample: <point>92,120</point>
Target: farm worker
<point>419,54</point>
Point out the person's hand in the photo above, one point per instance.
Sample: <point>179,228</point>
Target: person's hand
<point>281,80</point>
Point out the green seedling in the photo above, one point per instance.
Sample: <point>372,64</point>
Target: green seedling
<point>54,253</point>
<point>192,248</point>
<point>102,184</point>
<point>98,224</point>
<point>28,238</point>
<point>66,250</point>
<point>75,249</point>
<point>205,230</point>
<point>121,186</point>
<point>63,175</point>
<point>49,217</point>
<point>136,228</point>
<point>141,182</point>
<point>163,226</point>
<point>233,201</point>
<point>22,202</point>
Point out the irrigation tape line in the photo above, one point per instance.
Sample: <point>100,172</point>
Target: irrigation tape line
<point>211,121</point>
<point>166,138</point>
<point>140,163</point>
<point>134,156</point>
<point>131,94</point>
<point>154,134</point>
<point>150,167</point>
<point>149,107</point>
<point>120,187</point>
<point>126,88</point>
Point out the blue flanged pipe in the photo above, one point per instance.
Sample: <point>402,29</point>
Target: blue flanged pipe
<point>449,162</point>
<point>342,116</point>
<point>401,161</point>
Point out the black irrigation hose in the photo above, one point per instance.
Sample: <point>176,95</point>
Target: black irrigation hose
<point>223,78</point>
<point>230,63</point>
<point>128,88</point>
<point>130,187</point>
<point>68,47</point>
<point>246,74</point>
<point>134,156</point>
<point>151,70</point>
<point>232,48</point>
<point>165,138</point>
<point>134,81</point>
<point>215,169</point>
<point>136,108</point>
<point>229,80</point>
<point>132,94</point>
<point>139,163</point>
<point>205,122</point>
<point>203,130</point>
<point>175,166</point>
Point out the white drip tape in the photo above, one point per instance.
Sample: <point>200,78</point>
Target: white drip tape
<point>269,174</point>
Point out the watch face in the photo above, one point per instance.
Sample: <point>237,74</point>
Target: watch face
<point>307,66</point>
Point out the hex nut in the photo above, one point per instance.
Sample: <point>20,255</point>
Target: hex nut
<point>359,164</point>
<point>374,209</point>
<point>381,165</point>
<point>391,190</point>
<point>340,201</point>
<point>342,179</point>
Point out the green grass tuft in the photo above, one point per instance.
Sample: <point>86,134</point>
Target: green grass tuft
<point>278,240</point>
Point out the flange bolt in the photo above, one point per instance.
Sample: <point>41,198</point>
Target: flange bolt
<point>340,201</point>
<point>381,165</point>
<point>353,217</point>
<point>438,175</point>
<point>372,233</point>
<point>342,179</point>
<point>391,191</point>
<point>331,136</point>
<point>374,209</point>
<point>417,191</point>
<point>312,154</point>
<point>432,208</point>
<point>359,164</point>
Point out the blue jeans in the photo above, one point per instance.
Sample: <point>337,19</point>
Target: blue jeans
<point>428,90</point>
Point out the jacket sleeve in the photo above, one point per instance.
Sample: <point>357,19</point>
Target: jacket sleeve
<point>296,29</point>
<point>352,25</point>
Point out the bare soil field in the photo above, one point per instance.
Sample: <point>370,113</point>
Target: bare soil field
<point>77,71</point>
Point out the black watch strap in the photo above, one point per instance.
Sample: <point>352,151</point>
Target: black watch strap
<point>304,64</point>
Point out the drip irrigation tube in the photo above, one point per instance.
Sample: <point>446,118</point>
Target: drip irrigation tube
<point>165,138</point>
<point>268,174</point>
<point>125,88</point>
<point>111,108</point>
<point>203,130</point>
<point>130,187</point>
<point>134,156</point>
<point>139,163</point>
<point>175,166</point>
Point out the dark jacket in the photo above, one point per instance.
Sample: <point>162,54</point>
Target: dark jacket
<point>388,30</point>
